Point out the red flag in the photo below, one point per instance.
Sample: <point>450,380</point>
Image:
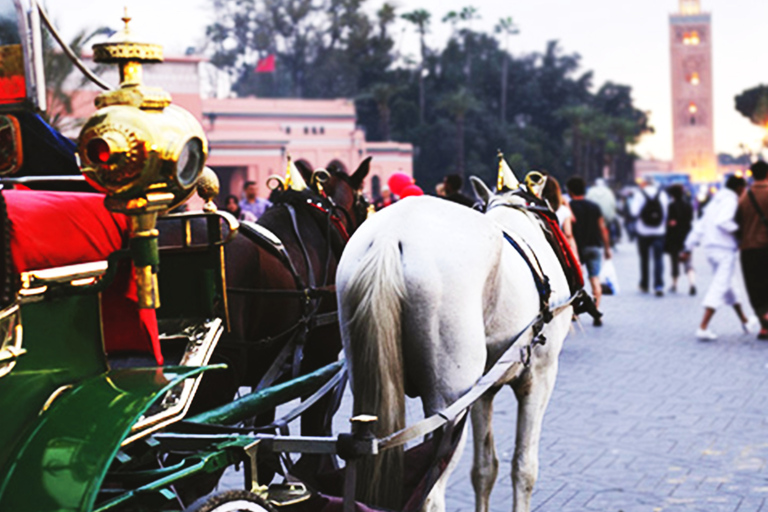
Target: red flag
<point>266,65</point>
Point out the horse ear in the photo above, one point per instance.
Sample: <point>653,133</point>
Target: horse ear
<point>362,171</point>
<point>305,171</point>
<point>482,192</point>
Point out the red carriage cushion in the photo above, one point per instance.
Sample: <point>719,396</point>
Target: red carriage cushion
<point>54,229</point>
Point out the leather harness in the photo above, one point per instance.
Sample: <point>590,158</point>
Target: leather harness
<point>311,292</point>
<point>581,301</point>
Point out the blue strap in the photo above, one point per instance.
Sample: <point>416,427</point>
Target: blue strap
<point>541,280</point>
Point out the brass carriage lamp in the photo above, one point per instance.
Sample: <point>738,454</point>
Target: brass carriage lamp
<point>143,152</point>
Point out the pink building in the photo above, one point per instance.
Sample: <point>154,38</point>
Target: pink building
<point>251,138</point>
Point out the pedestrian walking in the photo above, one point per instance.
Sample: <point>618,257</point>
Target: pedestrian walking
<point>591,235</point>
<point>649,207</point>
<point>252,202</point>
<point>554,196</point>
<point>625,199</point>
<point>752,218</point>
<point>452,187</point>
<point>602,195</point>
<point>716,234</point>
<point>233,207</point>
<point>679,225</point>
<point>386,199</point>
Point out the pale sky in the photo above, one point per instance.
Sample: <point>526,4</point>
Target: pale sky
<point>620,40</point>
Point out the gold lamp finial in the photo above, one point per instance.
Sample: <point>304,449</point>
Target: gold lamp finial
<point>126,19</point>
<point>207,188</point>
<point>129,54</point>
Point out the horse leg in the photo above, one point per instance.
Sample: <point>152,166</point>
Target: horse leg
<point>435,501</point>
<point>485,466</point>
<point>533,391</point>
<point>322,347</point>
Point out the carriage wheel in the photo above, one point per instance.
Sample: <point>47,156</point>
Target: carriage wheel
<point>231,501</point>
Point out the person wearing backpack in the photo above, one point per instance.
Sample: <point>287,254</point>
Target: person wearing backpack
<point>752,218</point>
<point>649,207</point>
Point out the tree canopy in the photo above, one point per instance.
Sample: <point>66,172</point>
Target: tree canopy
<point>455,104</point>
<point>753,104</point>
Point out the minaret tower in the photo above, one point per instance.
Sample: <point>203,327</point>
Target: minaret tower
<point>691,51</point>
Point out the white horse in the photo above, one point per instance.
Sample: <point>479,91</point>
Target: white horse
<point>430,293</point>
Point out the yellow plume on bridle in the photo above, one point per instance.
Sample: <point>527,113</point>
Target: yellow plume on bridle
<point>293,178</point>
<point>506,177</point>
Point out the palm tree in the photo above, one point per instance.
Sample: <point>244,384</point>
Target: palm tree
<point>508,28</point>
<point>420,18</point>
<point>466,15</point>
<point>382,93</point>
<point>584,132</point>
<point>386,16</point>
<point>458,105</point>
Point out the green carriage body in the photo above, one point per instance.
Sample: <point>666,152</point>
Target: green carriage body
<point>65,411</point>
<point>76,432</point>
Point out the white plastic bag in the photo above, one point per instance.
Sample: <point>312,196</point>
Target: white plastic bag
<point>608,277</point>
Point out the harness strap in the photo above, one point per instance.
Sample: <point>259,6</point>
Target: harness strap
<point>494,377</point>
<point>335,220</point>
<point>302,245</point>
<point>539,277</point>
<point>276,368</point>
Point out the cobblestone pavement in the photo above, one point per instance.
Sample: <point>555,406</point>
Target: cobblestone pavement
<point>643,416</point>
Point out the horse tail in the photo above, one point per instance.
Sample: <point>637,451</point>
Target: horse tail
<point>374,295</point>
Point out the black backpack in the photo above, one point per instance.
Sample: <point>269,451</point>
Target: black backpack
<point>652,213</point>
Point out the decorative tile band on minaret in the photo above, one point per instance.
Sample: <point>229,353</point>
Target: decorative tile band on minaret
<point>692,106</point>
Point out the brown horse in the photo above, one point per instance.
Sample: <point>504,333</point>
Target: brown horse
<point>272,318</point>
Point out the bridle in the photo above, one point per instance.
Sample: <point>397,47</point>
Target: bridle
<point>350,218</point>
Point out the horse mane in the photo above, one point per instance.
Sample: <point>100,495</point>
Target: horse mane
<point>300,200</point>
<point>294,197</point>
<point>346,178</point>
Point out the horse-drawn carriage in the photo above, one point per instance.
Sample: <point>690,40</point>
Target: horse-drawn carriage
<point>127,327</point>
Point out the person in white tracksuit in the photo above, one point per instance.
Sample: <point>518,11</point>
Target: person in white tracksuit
<point>716,234</point>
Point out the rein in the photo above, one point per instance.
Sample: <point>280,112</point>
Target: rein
<point>511,356</point>
<point>491,379</point>
<point>335,219</point>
